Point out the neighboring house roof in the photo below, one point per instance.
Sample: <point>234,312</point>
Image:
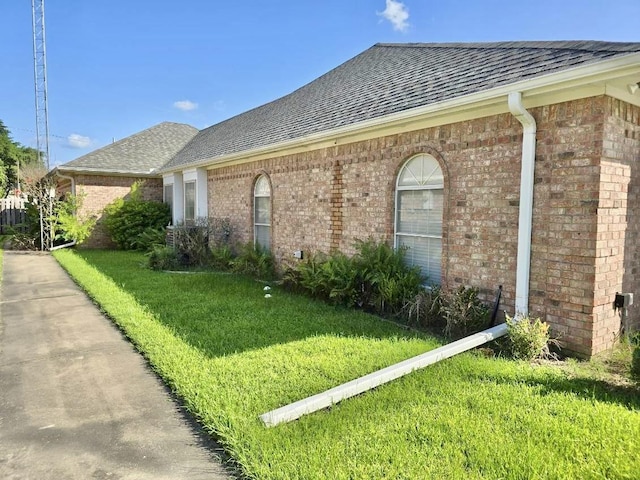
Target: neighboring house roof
<point>139,154</point>
<point>387,79</point>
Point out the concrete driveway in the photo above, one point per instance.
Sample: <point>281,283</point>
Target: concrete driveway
<point>76,400</point>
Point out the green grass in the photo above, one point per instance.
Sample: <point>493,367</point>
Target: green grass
<point>231,355</point>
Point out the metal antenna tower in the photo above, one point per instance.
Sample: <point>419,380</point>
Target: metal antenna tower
<point>46,193</point>
<point>40,80</point>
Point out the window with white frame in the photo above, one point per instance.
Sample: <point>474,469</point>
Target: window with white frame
<point>190,201</point>
<point>419,209</point>
<point>262,213</point>
<point>168,195</point>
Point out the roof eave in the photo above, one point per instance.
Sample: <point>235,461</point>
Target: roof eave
<point>570,78</point>
<point>108,172</point>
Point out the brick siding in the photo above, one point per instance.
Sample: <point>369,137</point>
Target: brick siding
<point>326,199</point>
<point>618,237</point>
<point>102,190</point>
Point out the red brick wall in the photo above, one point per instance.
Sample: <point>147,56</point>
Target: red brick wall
<point>326,199</point>
<point>618,246</point>
<point>568,152</point>
<point>100,191</point>
<point>300,196</point>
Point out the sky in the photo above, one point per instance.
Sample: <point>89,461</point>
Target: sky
<point>116,67</point>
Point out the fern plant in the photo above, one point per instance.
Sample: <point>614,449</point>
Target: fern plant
<point>254,261</point>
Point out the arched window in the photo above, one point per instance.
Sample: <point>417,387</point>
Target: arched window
<point>262,213</point>
<point>419,207</point>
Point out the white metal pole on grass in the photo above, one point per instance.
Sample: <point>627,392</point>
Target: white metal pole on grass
<point>322,400</point>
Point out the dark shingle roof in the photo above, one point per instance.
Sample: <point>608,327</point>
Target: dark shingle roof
<point>389,78</point>
<point>140,153</point>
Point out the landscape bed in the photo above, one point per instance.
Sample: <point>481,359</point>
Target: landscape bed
<point>232,354</point>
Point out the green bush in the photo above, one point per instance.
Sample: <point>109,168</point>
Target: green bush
<point>387,282</point>
<point>222,258</point>
<point>527,338</point>
<point>162,258</point>
<point>376,278</point>
<point>127,220</point>
<point>254,261</point>
<point>150,238</point>
<point>72,226</point>
<point>464,313</point>
<point>306,276</point>
<point>192,244</point>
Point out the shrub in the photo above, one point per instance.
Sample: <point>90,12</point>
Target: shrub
<point>72,225</point>
<point>387,282</point>
<point>192,243</point>
<point>527,338</point>
<point>220,232</point>
<point>150,238</point>
<point>26,236</point>
<point>305,276</point>
<point>425,308</point>
<point>162,258</point>
<point>127,220</point>
<point>464,313</point>
<point>222,258</point>
<point>254,261</point>
<point>376,277</point>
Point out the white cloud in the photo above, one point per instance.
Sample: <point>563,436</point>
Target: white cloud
<point>76,140</point>
<point>185,105</point>
<point>397,13</point>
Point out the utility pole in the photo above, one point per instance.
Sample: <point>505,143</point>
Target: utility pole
<point>40,80</point>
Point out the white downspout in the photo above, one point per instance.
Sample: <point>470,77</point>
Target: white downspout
<point>71,179</point>
<point>525,218</point>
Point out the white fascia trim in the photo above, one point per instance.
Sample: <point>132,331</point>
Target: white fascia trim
<point>106,173</point>
<point>570,78</point>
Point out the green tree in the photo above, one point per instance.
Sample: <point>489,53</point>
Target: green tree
<point>13,156</point>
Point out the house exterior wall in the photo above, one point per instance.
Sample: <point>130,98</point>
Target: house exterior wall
<point>567,186</point>
<point>326,199</point>
<point>99,191</point>
<point>618,245</point>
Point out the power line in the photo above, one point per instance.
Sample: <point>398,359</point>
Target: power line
<point>28,130</point>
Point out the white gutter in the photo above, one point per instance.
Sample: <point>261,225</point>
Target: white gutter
<point>71,179</point>
<point>66,245</point>
<point>525,218</point>
<point>107,172</point>
<point>322,400</point>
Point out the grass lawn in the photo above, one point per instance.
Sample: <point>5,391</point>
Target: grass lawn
<point>231,355</point>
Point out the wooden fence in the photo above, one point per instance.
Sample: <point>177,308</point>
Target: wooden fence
<point>13,215</point>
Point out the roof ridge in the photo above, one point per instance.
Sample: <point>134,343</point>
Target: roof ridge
<point>169,132</point>
<point>581,45</point>
<point>130,137</point>
<point>168,122</point>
